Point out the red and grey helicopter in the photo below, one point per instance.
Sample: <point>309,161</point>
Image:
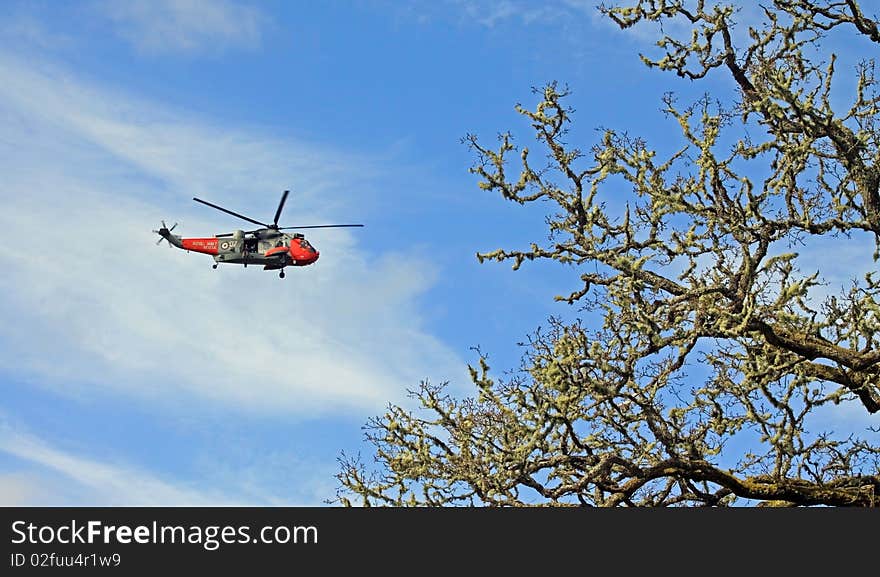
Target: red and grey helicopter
<point>266,246</point>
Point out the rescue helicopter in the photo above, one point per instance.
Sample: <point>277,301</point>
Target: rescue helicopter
<point>266,246</point>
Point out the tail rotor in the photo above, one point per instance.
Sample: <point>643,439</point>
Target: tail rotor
<point>164,233</point>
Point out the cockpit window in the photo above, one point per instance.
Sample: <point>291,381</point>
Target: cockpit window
<point>306,245</point>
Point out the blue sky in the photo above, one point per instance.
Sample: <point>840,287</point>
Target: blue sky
<point>136,375</point>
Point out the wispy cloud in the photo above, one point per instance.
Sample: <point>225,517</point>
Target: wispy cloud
<point>24,29</point>
<point>90,301</point>
<point>20,490</point>
<point>185,26</point>
<point>87,481</point>
<point>491,13</point>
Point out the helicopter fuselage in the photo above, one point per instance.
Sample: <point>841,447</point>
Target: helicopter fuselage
<point>272,250</point>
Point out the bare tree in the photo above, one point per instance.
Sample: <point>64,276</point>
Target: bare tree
<point>712,353</point>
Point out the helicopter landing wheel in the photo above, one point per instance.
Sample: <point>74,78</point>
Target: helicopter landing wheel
<point>214,266</point>
<point>281,274</point>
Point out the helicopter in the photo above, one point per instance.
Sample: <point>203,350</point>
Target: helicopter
<point>266,246</point>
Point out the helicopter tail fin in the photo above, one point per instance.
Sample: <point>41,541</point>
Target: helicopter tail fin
<point>165,234</point>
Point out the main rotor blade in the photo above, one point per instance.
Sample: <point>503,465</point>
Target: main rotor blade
<point>220,208</point>
<point>280,207</point>
<point>319,226</point>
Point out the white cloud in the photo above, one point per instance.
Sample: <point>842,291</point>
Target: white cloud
<point>23,29</point>
<point>274,477</point>
<point>492,13</point>
<point>19,490</point>
<point>185,26</point>
<point>489,13</point>
<point>91,303</point>
<point>85,481</point>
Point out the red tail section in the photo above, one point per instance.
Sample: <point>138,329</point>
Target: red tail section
<point>203,245</point>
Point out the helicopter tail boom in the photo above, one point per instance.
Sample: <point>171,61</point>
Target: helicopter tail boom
<point>203,245</point>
